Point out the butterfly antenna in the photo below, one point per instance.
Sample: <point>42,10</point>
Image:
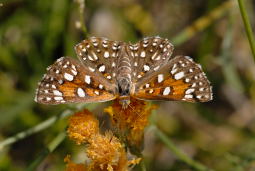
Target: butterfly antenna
<point>135,111</point>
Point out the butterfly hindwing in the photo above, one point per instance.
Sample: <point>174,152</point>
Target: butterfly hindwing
<point>67,81</point>
<point>181,79</point>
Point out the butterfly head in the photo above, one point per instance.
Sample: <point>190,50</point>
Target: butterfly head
<point>124,91</point>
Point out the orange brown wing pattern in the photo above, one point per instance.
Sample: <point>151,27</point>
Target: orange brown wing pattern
<point>67,81</point>
<point>180,79</point>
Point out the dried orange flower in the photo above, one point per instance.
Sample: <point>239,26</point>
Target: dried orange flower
<point>131,121</point>
<point>107,153</point>
<point>82,126</point>
<point>70,166</point>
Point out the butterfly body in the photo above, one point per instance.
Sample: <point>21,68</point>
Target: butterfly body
<point>112,69</point>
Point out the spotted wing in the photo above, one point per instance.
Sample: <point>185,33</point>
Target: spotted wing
<point>181,79</point>
<point>100,56</point>
<point>67,81</point>
<point>148,55</point>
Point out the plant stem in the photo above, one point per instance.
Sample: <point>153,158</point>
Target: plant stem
<point>203,22</point>
<point>177,152</point>
<point>247,26</point>
<point>41,126</point>
<point>81,4</point>
<point>47,150</point>
<point>142,165</point>
<point>45,124</point>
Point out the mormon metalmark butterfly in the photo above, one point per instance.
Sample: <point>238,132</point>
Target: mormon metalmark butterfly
<point>113,69</point>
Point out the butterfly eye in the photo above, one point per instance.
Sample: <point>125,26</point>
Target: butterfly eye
<point>124,87</point>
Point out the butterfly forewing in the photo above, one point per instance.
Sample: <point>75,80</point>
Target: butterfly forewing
<point>100,55</point>
<point>148,55</point>
<point>181,79</point>
<point>67,81</point>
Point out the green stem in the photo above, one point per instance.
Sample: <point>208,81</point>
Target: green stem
<point>247,26</point>
<point>177,152</point>
<point>81,4</point>
<point>142,165</point>
<point>43,125</point>
<point>47,150</point>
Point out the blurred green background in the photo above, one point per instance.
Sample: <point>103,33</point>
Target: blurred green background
<point>220,134</point>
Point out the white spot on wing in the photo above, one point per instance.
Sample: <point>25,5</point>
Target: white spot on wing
<point>106,54</point>
<point>80,92</point>
<point>166,91</point>
<point>179,75</point>
<point>101,86</point>
<point>90,58</point>
<point>160,78</point>
<point>143,54</point>
<point>92,69</point>
<point>58,98</point>
<point>68,77</point>
<point>146,68</point>
<point>189,91</point>
<point>102,68</point>
<point>113,64</point>
<point>60,81</point>
<point>156,68</point>
<point>201,89</point>
<point>187,80</point>
<point>199,96</point>
<point>74,72</point>
<point>188,96</point>
<point>57,93</point>
<point>87,79</point>
<point>96,92</point>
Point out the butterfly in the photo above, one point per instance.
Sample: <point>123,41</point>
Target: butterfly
<point>108,70</point>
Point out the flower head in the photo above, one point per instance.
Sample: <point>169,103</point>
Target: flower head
<point>131,121</point>
<point>107,153</point>
<point>82,126</point>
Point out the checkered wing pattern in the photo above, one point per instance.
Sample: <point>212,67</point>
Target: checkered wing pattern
<point>68,81</point>
<point>181,79</point>
<point>148,55</point>
<point>113,69</point>
<point>100,56</point>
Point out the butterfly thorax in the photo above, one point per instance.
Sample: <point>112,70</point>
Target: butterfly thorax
<point>124,78</point>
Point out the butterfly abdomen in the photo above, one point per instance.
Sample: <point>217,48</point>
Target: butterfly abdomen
<point>124,75</point>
